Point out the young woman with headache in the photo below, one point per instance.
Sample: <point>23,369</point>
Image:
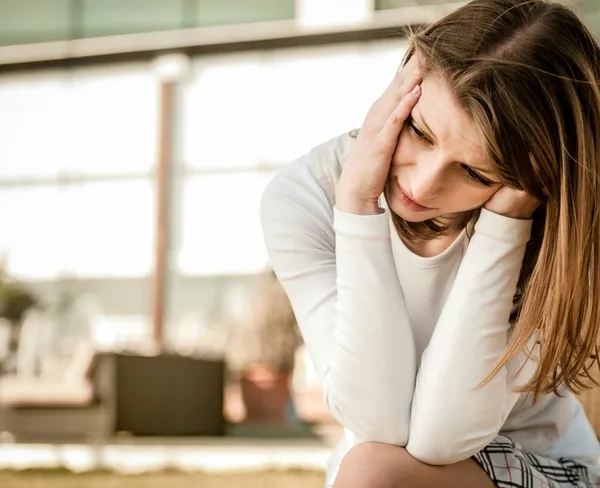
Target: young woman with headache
<point>444,261</point>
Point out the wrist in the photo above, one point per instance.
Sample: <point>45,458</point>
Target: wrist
<point>353,205</point>
<point>511,203</point>
<point>351,200</point>
<point>503,228</point>
<point>517,214</point>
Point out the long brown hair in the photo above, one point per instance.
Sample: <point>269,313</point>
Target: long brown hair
<point>527,72</point>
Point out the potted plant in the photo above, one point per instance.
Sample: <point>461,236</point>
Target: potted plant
<point>262,351</point>
<point>15,300</point>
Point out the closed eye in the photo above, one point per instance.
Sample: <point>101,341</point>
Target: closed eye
<point>475,177</point>
<point>415,131</point>
<point>469,172</point>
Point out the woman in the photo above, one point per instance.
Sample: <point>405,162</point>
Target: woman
<point>444,265</point>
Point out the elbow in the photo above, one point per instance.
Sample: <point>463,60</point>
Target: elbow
<point>436,454</point>
<point>444,448</point>
<point>368,421</point>
<point>452,433</point>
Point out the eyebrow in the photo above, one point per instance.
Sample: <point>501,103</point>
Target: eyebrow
<point>488,171</point>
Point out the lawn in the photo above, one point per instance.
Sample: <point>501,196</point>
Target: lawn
<point>61,479</point>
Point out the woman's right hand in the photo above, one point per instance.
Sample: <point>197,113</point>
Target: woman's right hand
<point>368,164</point>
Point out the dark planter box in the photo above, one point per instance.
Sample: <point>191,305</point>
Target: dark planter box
<point>169,395</point>
<point>164,395</point>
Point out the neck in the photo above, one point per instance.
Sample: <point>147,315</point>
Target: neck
<point>456,221</point>
<point>428,248</point>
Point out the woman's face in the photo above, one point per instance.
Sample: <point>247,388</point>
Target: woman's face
<point>439,169</point>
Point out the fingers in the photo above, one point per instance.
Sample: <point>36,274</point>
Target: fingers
<point>403,83</point>
<point>389,101</point>
<point>407,72</point>
<point>411,67</point>
<point>393,125</point>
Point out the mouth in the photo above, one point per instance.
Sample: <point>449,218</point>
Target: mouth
<point>409,202</point>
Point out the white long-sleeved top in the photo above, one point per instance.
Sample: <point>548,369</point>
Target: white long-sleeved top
<point>401,342</point>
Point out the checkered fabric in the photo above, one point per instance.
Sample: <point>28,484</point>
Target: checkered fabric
<point>509,467</point>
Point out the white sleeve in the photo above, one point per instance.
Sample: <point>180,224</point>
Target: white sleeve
<point>339,274</point>
<point>451,419</point>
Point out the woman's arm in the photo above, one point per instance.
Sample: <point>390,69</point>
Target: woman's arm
<point>451,420</point>
<point>338,271</point>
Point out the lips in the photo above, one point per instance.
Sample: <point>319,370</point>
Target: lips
<point>409,202</point>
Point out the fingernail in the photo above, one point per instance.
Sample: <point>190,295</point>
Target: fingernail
<point>415,91</point>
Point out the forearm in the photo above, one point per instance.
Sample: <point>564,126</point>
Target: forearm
<point>372,369</point>
<point>451,418</point>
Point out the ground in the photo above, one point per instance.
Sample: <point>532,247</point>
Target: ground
<point>61,479</point>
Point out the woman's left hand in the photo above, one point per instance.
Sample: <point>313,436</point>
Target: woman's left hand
<point>515,204</point>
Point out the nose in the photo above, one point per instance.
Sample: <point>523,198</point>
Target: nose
<point>427,180</point>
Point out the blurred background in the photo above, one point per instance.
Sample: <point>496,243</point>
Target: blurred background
<point>137,137</point>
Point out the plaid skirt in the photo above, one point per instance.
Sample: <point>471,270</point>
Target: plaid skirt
<point>509,467</point>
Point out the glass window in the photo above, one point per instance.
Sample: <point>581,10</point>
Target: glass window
<point>113,120</point>
<point>590,13</point>
<point>90,121</point>
<point>318,93</point>
<point>25,21</point>
<point>224,12</point>
<point>33,124</point>
<point>389,4</point>
<point>271,107</point>
<point>31,236</point>
<point>223,111</point>
<point>86,230</point>
<point>110,17</point>
<point>108,229</point>
<point>221,231</point>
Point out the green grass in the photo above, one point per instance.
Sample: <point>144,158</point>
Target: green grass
<point>62,479</point>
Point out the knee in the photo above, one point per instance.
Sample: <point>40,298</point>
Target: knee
<point>373,465</point>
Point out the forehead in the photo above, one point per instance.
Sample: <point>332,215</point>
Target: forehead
<point>453,128</point>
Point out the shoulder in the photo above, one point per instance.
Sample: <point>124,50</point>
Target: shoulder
<point>316,172</point>
<point>296,208</point>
